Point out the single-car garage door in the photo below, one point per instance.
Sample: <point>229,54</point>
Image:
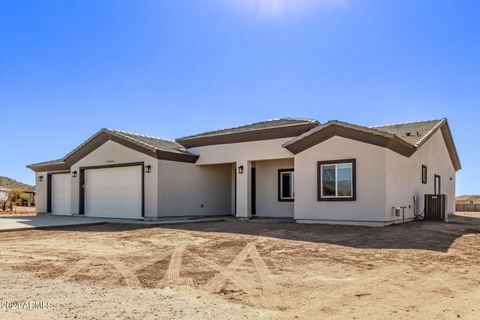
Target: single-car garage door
<point>60,194</point>
<point>113,192</point>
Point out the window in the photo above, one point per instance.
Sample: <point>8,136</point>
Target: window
<point>424,174</point>
<point>286,191</point>
<point>336,180</point>
<point>437,185</point>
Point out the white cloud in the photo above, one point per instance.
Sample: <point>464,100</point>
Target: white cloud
<point>280,8</point>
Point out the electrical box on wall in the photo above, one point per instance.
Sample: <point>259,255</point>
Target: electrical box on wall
<point>396,211</point>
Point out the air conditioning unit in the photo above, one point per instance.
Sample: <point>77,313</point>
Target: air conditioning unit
<point>435,207</point>
<point>396,211</point>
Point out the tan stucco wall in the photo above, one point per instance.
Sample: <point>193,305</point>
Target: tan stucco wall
<point>114,153</point>
<point>184,187</point>
<point>267,189</point>
<point>171,188</point>
<point>41,192</point>
<point>370,203</point>
<point>242,151</point>
<point>404,177</point>
<point>243,154</point>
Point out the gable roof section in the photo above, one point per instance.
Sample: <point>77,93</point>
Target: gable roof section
<point>152,146</point>
<point>265,130</point>
<point>404,138</point>
<point>350,131</point>
<point>415,133</point>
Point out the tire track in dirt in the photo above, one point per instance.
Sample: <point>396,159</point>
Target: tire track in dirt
<point>269,287</point>
<point>151,261</point>
<point>215,285</point>
<point>79,266</point>
<point>172,276</point>
<point>242,284</point>
<point>130,278</point>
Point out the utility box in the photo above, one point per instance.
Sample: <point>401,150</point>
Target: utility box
<point>435,207</point>
<point>396,211</point>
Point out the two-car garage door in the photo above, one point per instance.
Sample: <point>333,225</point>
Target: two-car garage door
<point>113,192</point>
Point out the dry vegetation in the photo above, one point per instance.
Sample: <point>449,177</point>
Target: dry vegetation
<point>19,211</point>
<point>420,270</point>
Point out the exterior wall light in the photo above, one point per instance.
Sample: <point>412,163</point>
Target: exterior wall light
<point>74,174</point>
<point>148,169</point>
<point>240,169</point>
<point>40,178</point>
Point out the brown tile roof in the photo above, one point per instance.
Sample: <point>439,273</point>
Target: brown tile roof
<point>406,138</point>
<point>414,133</point>
<point>152,145</point>
<point>267,124</point>
<point>403,138</point>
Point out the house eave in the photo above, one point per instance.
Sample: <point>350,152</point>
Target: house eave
<point>102,137</point>
<point>287,131</point>
<point>341,129</point>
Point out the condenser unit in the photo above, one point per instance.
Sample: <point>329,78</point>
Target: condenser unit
<point>435,207</point>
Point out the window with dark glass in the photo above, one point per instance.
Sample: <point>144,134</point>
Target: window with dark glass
<point>424,174</point>
<point>336,180</point>
<point>286,191</point>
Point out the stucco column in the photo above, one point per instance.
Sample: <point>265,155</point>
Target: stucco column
<point>243,190</point>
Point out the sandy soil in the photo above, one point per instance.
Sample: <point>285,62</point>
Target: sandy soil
<point>249,270</point>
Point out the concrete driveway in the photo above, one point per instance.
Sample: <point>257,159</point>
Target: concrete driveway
<point>33,222</point>
<point>48,221</point>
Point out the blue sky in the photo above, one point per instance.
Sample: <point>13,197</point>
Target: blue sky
<point>173,68</point>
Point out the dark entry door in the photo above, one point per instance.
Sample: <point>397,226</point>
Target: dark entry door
<point>254,191</point>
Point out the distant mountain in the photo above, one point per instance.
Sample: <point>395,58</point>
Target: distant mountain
<point>14,184</point>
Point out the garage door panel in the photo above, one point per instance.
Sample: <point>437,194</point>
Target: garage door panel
<point>113,192</point>
<point>60,194</point>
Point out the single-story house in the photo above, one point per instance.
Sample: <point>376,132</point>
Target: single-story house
<point>468,199</point>
<point>333,172</point>
<point>468,203</point>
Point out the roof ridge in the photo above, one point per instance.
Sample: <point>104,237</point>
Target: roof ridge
<point>267,121</point>
<point>125,135</point>
<point>359,127</point>
<point>305,120</point>
<point>403,123</point>
<point>141,135</point>
<point>429,133</point>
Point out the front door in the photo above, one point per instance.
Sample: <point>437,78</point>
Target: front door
<point>254,191</point>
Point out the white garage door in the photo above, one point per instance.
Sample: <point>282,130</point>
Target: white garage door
<point>114,192</point>
<point>60,194</point>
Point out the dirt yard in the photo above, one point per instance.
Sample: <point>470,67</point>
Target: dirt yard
<point>243,270</point>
